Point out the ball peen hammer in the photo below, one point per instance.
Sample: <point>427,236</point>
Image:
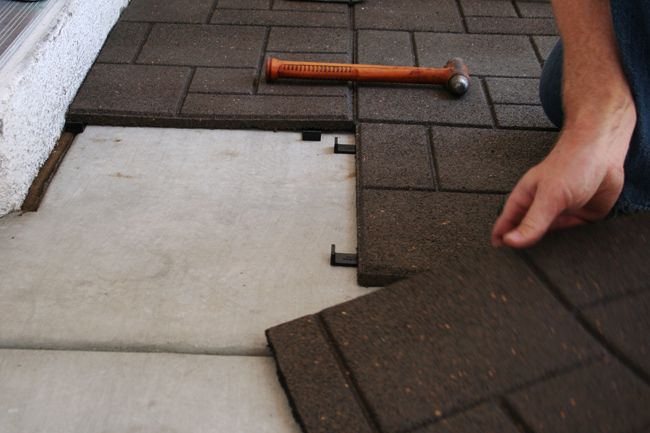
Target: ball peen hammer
<point>454,75</point>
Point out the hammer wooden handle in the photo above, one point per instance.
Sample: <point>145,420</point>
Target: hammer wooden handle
<point>453,75</point>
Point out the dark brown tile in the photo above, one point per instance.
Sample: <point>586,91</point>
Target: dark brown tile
<point>513,90</point>
<point>280,18</point>
<point>545,44</point>
<point>405,232</point>
<point>244,4</point>
<point>307,40</point>
<point>408,15</point>
<point>123,43</point>
<point>522,116</point>
<point>511,26</point>
<point>223,80</point>
<point>447,339</point>
<point>203,45</point>
<point>535,9</point>
<point>176,11</point>
<point>472,159</point>
<point>597,261</point>
<point>132,89</point>
<point>484,54</point>
<point>624,323</point>
<point>385,48</point>
<point>423,104</point>
<point>310,6</point>
<point>488,8</point>
<point>602,398</point>
<point>394,156</point>
<point>319,393</point>
<point>487,418</point>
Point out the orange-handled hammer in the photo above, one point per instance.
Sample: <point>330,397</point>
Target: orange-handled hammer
<point>454,75</point>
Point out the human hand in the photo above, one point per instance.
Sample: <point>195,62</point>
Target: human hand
<point>579,181</point>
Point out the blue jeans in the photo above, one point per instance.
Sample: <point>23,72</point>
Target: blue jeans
<point>634,49</point>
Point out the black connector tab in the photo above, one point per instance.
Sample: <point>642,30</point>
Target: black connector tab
<point>343,259</point>
<point>311,135</point>
<point>349,149</point>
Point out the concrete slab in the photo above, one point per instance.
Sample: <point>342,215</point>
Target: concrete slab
<point>178,240</point>
<point>75,392</point>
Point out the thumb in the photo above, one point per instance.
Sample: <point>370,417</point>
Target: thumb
<point>541,214</point>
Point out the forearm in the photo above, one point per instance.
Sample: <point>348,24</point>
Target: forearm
<point>594,88</point>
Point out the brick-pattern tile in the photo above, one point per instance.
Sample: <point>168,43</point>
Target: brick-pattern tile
<point>522,116</point>
<point>624,323</point>
<point>511,26</point>
<point>591,263</point>
<point>484,54</point>
<point>203,45</point>
<point>488,8</point>
<point>604,398</point>
<point>513,90</point>
<point>545,45</point>
<point>454,337</point>
<point>280,18</point>
<point>307,40</point>
<point>223,80</point>
<point>470,159</point>
<point>405,232</point>
<point>124,89</point>
<point>423,104</point>
<point>123,43</point>
<point>309,372</point>
<point>175,11</point>
<point>395,156</point>
<point>410,15</point>
<point>244,4</point>
<point>535,9</point>
<point>385,48</point>
<point>486,418</point>
<point>309,6</point>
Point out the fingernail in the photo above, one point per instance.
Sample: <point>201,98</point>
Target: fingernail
<point>514,237</point>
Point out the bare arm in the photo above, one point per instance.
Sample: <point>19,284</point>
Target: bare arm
<point>582,177</point>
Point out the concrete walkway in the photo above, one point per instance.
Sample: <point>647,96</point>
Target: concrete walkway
<point>190,242</point>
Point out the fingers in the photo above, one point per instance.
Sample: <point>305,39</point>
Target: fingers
<point>515,208</point>
<point>546,207</point>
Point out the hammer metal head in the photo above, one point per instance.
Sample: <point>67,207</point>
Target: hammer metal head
<point>458,83</point>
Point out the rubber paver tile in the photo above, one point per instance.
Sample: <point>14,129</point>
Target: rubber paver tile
<point>123,43</point>
<point>319,393</point>
<point>405,232</point>
<point>625,324</point>
<point>454,337</point>
<point>513,90</point>
<point>385,48</point>
<point>594,262</point>
<point>423,104</point>
<point>394,156</point>
<point>280,18</point>
<point>411,15</point>
<point>307,40</point>
<point>512,26</point>
<point>601,398</point>
<point>307,6</point>
<point>306,87</point>
<point>203,45</point>
<point>545,44</point>
<point>488,8</point>
<point>244,4</point>
<point>267,107</point>
<point>484,54</point>
<point>486,418</point>
<point>473,159</point>
<point>522,116</point>
<point>131,89</point>
<point>535,9</point>
<point>223,80</point>
<point>177,11</point>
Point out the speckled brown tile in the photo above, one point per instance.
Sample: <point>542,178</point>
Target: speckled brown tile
<point>483,54</point>
<point>535,9</point>
<point>488,8</point>
<point>123,43</point>
<point>394,156</point>
<point>385,48</point>
<point>486,418</point>
<point>545,44</point>
<point>513,90</point>
<point>292,5</point>
<point>223,80</point>
<point>404,232</point>
<point>423,104</point>
<point>176,11</point>
<point>203,45</point>
<point>472,159</point>
<point>280,18</point>
<point>601,398</point>
<point>408,15</point>
<point>597,261</point>
<point>454,337</point>
<point>511,26</point>
<point>308,40</point>
<point>244,4</point>
<point>522,116</point>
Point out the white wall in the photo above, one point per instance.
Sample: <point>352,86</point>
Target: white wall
<point>40,82</point>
